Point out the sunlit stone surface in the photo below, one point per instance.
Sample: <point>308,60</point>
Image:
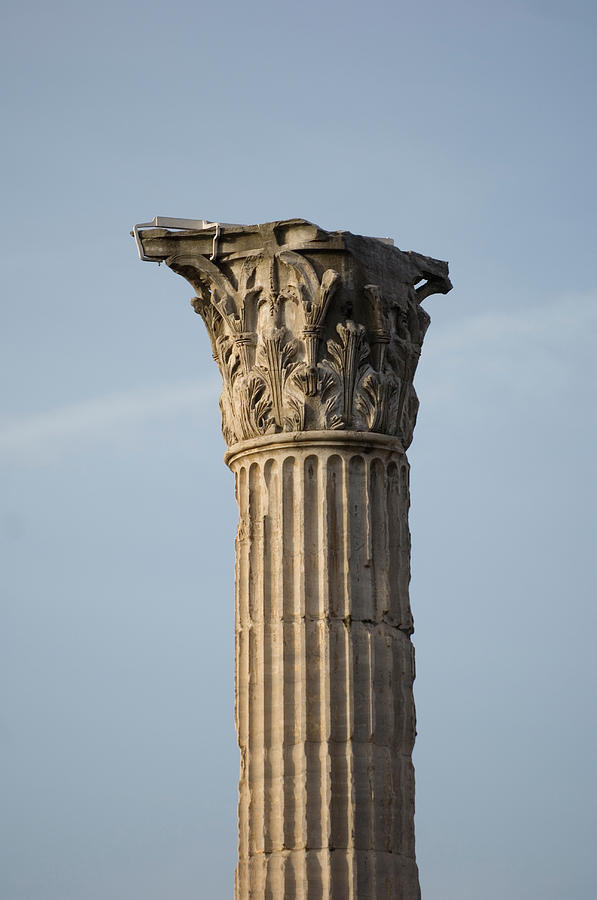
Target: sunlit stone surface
<point>317,336</point>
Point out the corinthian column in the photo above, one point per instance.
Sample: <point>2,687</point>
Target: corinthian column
<point>317,336</point>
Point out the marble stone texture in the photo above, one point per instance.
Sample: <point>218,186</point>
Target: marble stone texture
<point>317,336</point>
<point>325,666</point>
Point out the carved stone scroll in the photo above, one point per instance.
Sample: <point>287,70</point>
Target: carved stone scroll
<point>304,340</point>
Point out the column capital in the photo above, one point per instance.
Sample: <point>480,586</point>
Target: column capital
<point>312,330</point>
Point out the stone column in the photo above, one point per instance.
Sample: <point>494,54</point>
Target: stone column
<point>317,336</point>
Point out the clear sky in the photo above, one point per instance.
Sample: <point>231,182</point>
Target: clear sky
<point>464,130</point>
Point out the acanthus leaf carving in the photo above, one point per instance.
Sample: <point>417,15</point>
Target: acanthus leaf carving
<point>253,407</point>
<point>342,373</point>
<point>228,362</point>
<point>305,342</point>
<point>377,401</point>
<point>276,360</point>
<point>316,297</point>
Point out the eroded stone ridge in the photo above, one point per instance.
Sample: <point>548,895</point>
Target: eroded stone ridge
<point>311,330</point>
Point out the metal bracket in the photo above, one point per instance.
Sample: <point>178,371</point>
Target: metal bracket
<point>178,225</point>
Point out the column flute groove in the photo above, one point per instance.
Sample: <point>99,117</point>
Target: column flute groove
<point>317,336</point>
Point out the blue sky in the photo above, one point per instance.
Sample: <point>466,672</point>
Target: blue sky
<point>465,131</point>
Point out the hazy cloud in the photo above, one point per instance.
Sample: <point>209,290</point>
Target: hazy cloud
<point>546,324</point>
<point>101,418</point>
<point>531,351</point>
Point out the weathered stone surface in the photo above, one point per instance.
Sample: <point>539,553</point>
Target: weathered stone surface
<point>311,330</point>
<point>324,707</point>
<point>317,336</point>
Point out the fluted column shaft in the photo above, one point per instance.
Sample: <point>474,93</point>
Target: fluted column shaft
<point>325,668</point>
<point>317,336</point>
